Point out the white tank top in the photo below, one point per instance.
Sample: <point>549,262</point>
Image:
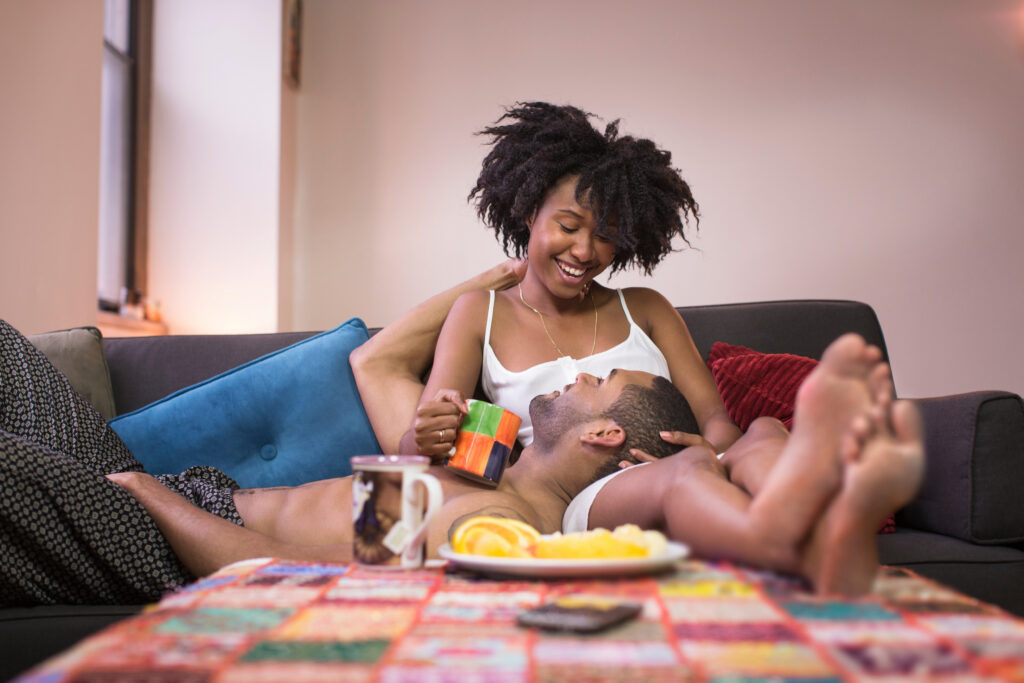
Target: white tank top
<point>514,390</point>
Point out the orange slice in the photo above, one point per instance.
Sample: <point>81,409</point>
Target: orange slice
<point>474,536</point>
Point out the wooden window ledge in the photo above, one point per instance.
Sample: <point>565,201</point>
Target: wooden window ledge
<point>114,325</point>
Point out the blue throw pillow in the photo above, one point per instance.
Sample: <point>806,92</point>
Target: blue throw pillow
<point>287,418</point>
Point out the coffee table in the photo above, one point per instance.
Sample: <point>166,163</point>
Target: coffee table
<point>268,620</point>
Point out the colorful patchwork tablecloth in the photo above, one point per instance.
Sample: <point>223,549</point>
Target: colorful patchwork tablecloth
<point>282,621</point>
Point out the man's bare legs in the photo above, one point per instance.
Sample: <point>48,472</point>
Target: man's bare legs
<point>880,477</point>
<point>770,464</point>
<point>689,496</point>
<point>389,368</point>
<point>748,464</point>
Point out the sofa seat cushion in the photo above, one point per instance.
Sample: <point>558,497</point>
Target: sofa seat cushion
<point>986,572</point>
<point>286,418</point>
<point>29,635</point>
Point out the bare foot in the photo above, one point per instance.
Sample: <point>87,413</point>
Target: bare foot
<point>850,381</point>
<point>842,556</point>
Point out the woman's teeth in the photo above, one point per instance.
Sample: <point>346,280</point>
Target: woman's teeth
<point>569,270</point>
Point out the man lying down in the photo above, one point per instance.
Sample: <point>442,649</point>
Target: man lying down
<point>83,523</point>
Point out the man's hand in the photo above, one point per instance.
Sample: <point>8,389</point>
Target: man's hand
<point>133,482</point>
<point>437,423</point>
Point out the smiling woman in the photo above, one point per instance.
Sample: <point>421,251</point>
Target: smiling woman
<point>576,202</point>
<point>625,181</point>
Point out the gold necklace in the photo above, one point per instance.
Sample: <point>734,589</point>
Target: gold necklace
<point>545,325</point>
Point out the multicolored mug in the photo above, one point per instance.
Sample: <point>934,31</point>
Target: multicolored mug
<point>484,442</point>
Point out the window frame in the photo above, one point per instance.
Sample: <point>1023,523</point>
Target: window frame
<point>138,59</point>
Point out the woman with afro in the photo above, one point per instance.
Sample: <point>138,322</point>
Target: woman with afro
<point>569,202</point>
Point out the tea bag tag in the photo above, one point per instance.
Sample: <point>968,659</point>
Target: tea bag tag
<point>397,540</point>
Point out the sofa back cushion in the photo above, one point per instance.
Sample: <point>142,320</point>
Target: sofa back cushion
<point>800,327</point>
<point>286,418</point>
<point>78,353</point>
<point>146,369</point>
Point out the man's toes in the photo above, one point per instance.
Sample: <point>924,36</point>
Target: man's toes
<point>852,440</point>
<point>862,428</point>
<point>880,383</point>
<point>850,355</point>
<point>906,422</point>
<point>844,351</point>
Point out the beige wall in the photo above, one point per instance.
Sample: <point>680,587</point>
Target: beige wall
<point>50,62</point>
<point>214,164</point>
<point>866,150</point>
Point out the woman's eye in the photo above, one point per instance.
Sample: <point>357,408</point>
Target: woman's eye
<point>566,228</point>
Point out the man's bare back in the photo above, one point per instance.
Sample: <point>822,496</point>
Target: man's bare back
<point>320,513</point>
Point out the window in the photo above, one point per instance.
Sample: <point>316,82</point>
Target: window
<point>123,134</point>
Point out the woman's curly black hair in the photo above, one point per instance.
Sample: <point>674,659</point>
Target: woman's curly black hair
<point>625,181</point>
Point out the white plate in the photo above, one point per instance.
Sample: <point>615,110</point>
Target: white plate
<point>544,568</point>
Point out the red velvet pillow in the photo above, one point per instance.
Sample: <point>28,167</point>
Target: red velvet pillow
<point>754,384</point>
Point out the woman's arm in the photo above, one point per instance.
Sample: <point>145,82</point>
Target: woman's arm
<point>390,366</point>
<point>453,377</point>
<point>691,376</point>
<point>204,542</point>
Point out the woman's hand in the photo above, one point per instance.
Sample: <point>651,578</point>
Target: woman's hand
<point>437,423</point>
<point>684,439</point>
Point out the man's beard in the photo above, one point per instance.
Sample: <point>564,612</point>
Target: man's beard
<point>552,420</point>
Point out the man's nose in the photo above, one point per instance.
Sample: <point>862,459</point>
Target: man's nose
<point>586,378</point>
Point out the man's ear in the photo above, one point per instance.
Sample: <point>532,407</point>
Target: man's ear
<point>603,433</point>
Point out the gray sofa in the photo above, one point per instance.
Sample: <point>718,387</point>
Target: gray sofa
<point>965,529</point>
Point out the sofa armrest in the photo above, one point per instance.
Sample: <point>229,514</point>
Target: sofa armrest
<point>974,445</point>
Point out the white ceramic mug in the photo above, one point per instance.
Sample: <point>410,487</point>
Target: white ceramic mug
<point>393,501</point>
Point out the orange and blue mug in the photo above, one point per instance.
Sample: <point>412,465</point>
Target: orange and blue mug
<point>484,442</point>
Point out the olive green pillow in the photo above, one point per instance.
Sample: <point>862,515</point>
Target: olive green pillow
<point>78,353</point>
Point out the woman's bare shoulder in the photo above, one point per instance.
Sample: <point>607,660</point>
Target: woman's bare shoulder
<point>646,303</point>
<point>470,307</point>
<point>476,302</point>
<point>474,298</point>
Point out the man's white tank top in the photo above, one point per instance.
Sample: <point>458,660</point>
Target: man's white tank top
<point>514,390</point>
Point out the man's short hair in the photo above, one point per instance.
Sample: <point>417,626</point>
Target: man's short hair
<point>644,412</point>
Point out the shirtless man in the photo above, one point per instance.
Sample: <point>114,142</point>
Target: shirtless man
<point>852,459</point>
